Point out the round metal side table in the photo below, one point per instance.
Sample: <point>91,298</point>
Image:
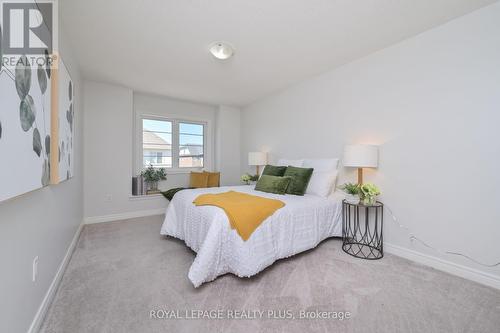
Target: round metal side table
<point>362,228</point>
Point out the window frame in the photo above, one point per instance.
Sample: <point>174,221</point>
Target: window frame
<point>139,155</point>
<point>177,125</point>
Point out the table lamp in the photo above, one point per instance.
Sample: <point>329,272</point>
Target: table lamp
<point>257,158</point>
<point>360,156</point>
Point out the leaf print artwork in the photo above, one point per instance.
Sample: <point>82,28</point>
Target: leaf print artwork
<point>47,63</point>
<point>42,79</point>
<point>45,172</point>
<point>69,116</point>
<point>27,112</point>
<point>37,142</point>
<point>23,77</point>
<point>47,145</point>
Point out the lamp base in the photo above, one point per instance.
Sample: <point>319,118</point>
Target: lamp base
<point>360,176</point>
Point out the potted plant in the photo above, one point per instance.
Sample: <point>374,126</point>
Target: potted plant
<point>369,194</point>
<point>247,178</point>
<point>352,192</point>
<point>152,176</point>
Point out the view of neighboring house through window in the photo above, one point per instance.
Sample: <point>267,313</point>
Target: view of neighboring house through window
<point>157,143</point>
<point>172,143</point>
<point>190,145</point>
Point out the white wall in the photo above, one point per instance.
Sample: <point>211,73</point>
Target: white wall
<point>432,103</point>
<point>40,223</point>
<point>228,145</point>
<point>110,114</point>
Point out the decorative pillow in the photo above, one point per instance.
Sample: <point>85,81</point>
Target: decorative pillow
<point>286,162</point>
<point>322,183</point>
<point>321,164</point>
<point>213,179</point>
<point>271,170</point>
<point>273,184</point>
<point>300,179</point>
<point>324,177</point>
<point>198,179</point>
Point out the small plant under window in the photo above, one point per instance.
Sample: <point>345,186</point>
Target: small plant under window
<point>152,176</point>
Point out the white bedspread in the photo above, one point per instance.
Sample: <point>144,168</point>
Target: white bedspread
<point>301,225</point>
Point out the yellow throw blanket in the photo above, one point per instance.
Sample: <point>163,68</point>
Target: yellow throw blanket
<point>244,211</point>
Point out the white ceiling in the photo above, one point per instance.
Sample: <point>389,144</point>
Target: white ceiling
<point>161,46</point>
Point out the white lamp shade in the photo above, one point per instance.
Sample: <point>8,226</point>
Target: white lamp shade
<point>360,156</point>
<point>257,158</point>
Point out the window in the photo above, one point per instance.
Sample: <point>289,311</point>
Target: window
<point>190,145</point>
<point>159,157</point>
<point>170,143</point>
<point>157,143</point>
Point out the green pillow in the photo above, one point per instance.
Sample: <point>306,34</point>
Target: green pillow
<point>272,184</point>
<point>300,179</point>
<point>272,170</point>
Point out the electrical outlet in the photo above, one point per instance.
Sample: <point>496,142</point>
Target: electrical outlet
<point>35,268</point>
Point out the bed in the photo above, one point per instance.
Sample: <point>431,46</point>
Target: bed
<point>302,224</point>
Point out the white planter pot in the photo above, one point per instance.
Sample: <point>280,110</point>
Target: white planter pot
<point>370,201</point>
<point>352,199</point>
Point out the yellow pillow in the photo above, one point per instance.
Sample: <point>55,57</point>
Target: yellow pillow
<point>213,179</point>
<point>198,179</point>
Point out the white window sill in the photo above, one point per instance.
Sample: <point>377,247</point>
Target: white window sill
<point>145,197</point>
<point>180,171</point>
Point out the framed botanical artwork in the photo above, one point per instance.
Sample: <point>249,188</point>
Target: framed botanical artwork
<point>25,127</point>
<point>62,124</point>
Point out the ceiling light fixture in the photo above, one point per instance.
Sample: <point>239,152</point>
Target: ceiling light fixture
<point>221,50</point>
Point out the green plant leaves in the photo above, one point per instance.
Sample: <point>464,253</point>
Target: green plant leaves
<point>42,79</point>
<point>37,142</point>
<point>47,145</point>
<point>23,77</point>
<point>152,174</point>
<point>350,188</point>
<point>27,112</point>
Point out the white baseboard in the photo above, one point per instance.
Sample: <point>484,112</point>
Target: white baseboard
<point>123,216</point>
<point>49,296</point>
<point>444,265</point>
<point>47,300</point>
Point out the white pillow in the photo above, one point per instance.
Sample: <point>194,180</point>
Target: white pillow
<point>286,162</point>
<point>322,164</point>
<point>322,183</point>
<point>324,176</point>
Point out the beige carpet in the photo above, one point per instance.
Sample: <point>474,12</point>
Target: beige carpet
<point>121,271</point>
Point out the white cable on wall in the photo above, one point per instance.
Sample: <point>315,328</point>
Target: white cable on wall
<point>415,238</point>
